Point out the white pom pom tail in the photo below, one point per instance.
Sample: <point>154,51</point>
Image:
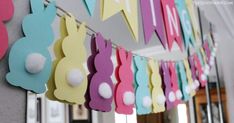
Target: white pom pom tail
<point>147,102</point>
<point>179,95</point>
<point>161,99</point>
<point>172,97</point>
<point>105,90</point>
<point>75,77</point>
<point>35,63</point>
<point>128,98</point>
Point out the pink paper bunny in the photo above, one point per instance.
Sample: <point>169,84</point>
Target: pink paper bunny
<point>124,93</point>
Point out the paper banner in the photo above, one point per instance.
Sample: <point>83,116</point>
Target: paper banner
<point>70,77</point>
<point>6,13</point>
<point>152,20</point>
<point>91,68</point>
<point>101,86</point>
<point>90,5</point>
<point>189,88</point>
<point>185,23</point>
<point>183,80</point>
<point>158,98</point>
<point>207,50</point>
<point>59,55</point>
<point>172,23</point>
<point>29,59</point>
<point>143,96</point>
<point>174,83</point>
<point>195,26</point>
<point>124,91</point>
<point>170,95</point>
<point>127,7</point>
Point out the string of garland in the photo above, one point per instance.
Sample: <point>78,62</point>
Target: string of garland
<point>114,45</point>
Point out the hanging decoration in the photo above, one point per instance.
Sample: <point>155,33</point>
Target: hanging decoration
<point>70,78</point>
<point>183,81</point>
<point>185,24</point>
<point>101,86</point>
<point>143,96</point>
<point>158,98</point>
<point>31,66</point>
<point>174,83</point>
<point>172,23</point>
<point>124,91</point>
<point>127,7</point>
<point>58,56</point>
<point>90,5</point>
<point>170,95</point>
<point>152,20</point>
<point>189,88</point>
<point>6,13</point>
<point>29,59</point>
<point>195,26</point>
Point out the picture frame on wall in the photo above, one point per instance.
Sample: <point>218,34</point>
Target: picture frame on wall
<point>79,114</point>
<point>55,112</point>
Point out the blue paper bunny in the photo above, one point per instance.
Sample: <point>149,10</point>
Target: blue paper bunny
<point>29,58</point>
<point>143,96</point>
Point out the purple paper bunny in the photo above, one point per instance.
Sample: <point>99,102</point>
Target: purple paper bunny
<point>101,85</point>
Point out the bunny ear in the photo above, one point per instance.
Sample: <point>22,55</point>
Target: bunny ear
<point>37,6</point>
<point>6,9</point>
<point>129,57</point>
<point>63,31</point>
<point>71,24</point>
<point>122,55</point>
<point>93,46</point>
<point>100,41</point>
<point>50,12</point>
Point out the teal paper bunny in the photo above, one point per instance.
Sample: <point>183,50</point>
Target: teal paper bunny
<point>143,97</point>
<point>183,82</point>
<point>29,58</point>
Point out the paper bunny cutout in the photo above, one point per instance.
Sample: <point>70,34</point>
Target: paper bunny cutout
<point>143,96</point>
<point>174,83</point>
<point>59,55</point>
<point>6,13</point>
<point>91,68</point>
<point>201,76</point>
<point>195,78</point>
<point>70,77</point>
<point>158,97</point>
<point>183,82</point>
<point>189,88</point>
<point>169,93</point>
<point>207,50</point>
<point>29,58</point>
<point>101,86</point>
<point>124,91</point>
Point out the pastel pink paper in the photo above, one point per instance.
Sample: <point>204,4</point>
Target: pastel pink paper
<point>199,70</point>
<point>6,13</point>
<point>124,76</point>
<point>171,38</point>
<point>104,68</point>
<point>207,50</point>
<point>174,80</point>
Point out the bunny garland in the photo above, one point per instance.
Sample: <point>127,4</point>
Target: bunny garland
<point>29,59</point>
<point>70,78</point>
<point>101,86</point>
<point>196,83</point>
<point>174,82</point>
<point>158,98</point>
<point>91,68</point>
<point>201,76</point>
<point>59,55</point>
<point>6,13</point>
<point>170,95</point>
<point>124,91</point>
<point>143,96</point>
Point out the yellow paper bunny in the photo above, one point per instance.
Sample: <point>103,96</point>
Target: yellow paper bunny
<point>158,97</point>
<point>70,77</point>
